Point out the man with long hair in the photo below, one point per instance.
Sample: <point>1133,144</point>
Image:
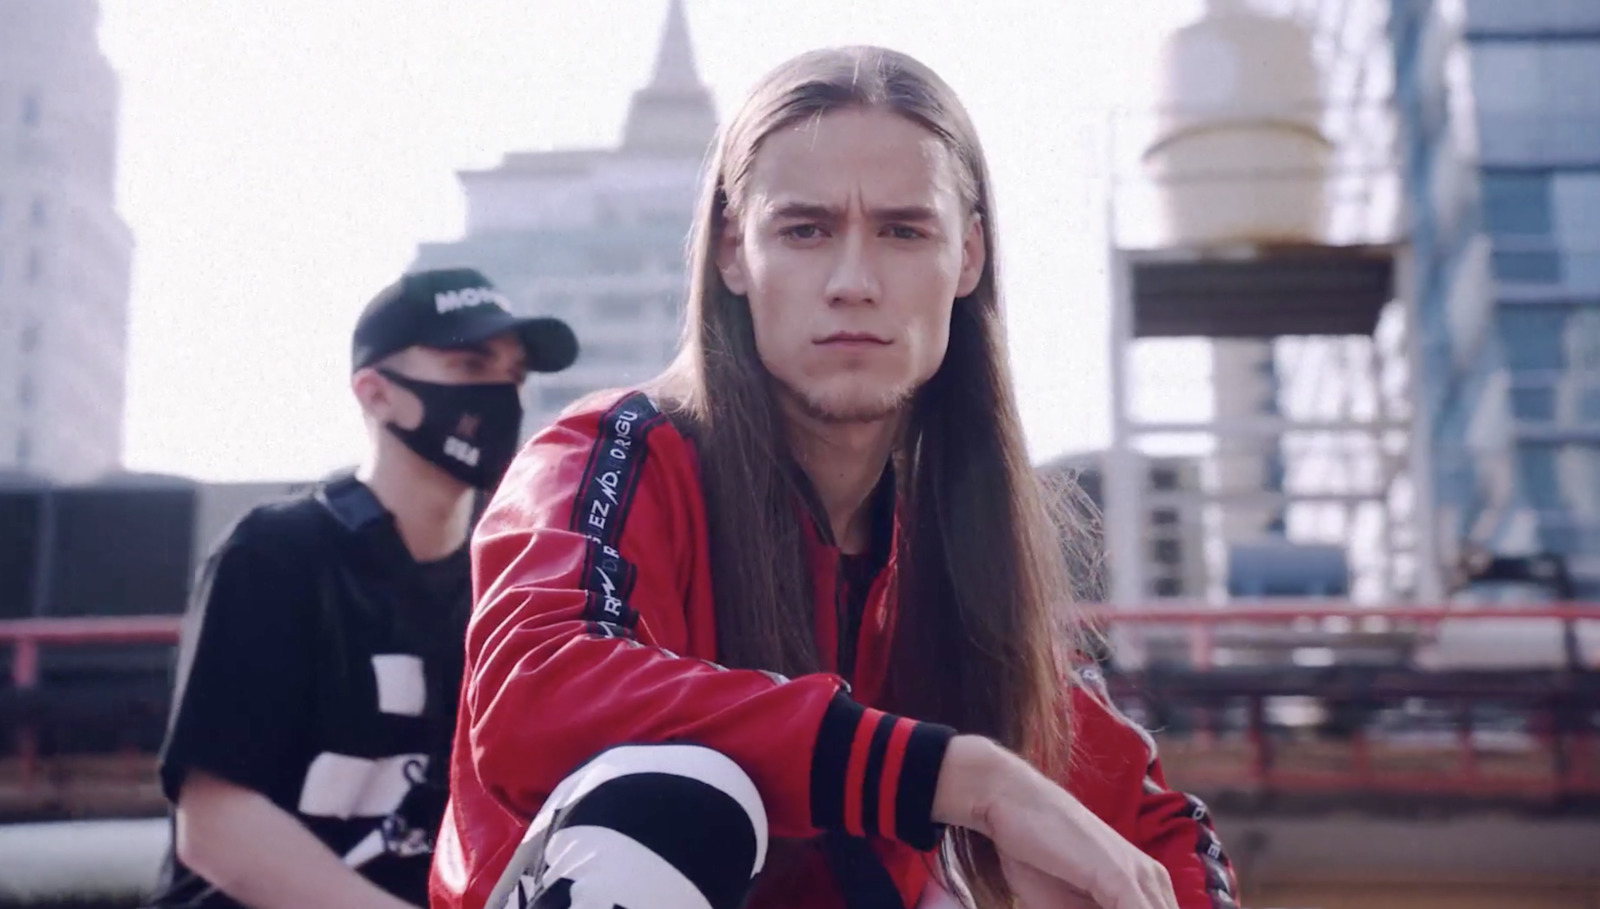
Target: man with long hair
<point>782,627</point>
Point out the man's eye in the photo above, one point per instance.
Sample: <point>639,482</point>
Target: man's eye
<point>802,232</point>
<point>902,232</point>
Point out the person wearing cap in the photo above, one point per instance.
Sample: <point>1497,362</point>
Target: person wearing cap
<point>321,655</point>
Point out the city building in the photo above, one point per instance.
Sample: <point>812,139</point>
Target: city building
<point>1171,531</point>
<point>597,236</point>
<point>64,251</point>
<point>1501,167</point>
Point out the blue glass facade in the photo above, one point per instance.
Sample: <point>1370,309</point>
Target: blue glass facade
<point>1501,162</point>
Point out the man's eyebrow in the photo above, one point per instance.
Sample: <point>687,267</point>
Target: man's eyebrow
<point>913,213</point>
<point>819,212</point>
<point>815,211</point>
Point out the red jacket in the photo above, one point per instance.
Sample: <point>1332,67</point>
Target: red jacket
<point>594,626</point>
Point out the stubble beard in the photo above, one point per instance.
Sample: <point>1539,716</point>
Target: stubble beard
<point>830,410</point>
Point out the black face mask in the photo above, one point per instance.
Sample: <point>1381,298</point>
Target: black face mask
<point>468,431</point>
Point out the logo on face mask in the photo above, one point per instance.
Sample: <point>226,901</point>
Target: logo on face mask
<point>467,297</point>
<point>461,451</point>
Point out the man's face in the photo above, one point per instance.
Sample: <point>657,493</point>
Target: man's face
<point>852,246</point>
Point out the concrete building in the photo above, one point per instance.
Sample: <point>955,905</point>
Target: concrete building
<point>64,251</point>
<point>1171,532</point>
<point>1501,167</point>
<point>597,236</point>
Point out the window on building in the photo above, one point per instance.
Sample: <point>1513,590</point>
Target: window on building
<point>30,336</point>
<point>30,109</point>
<point>1533,403</point>
<point>1517,203</point>
<point>1167,587</point>
<point>1527,266</point>
<point>1166,552</point>
<point>38,216</point>
<point>35,266</point>
<point>1163,478</point>
<point>24,449</point>
<point>1532,337</point>
<point>25,393</point>
<point>1164,517</point>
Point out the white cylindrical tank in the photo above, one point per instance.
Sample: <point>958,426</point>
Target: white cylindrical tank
<point>1239,152</point>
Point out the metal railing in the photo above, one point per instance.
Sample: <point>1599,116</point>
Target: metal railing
<point>1561,704</point>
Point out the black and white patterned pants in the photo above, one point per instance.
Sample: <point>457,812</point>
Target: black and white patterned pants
<point>642,827</point>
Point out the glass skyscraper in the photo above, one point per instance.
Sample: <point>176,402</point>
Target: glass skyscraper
<point>1499,102</point>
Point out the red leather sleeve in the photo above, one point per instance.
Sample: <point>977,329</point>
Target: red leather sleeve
<point>585,571</point>
<point>1116,773</point>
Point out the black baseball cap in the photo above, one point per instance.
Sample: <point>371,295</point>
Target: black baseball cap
<point>454,307</point>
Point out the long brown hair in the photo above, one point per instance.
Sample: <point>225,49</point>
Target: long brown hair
<point>980,569</point>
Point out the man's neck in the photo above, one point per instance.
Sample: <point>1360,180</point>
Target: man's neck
<point>432,512</point>
<point>845,462</point>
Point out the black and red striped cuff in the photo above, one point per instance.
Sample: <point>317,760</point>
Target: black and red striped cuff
<point>874,774</point>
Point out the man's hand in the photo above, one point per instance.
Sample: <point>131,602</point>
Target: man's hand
<point>1052,848</point>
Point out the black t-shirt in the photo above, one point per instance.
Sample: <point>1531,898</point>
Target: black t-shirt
<point>320,666</point>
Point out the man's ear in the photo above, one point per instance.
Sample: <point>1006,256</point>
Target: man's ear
<point>730,257</point>
<point>372,393</point>
<point>973,258</point>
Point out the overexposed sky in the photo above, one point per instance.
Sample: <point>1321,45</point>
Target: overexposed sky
<point>280,162</point>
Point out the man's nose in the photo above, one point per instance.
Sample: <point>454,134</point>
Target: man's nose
<point>855,275</point>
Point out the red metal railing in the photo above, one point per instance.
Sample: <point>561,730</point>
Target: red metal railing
<point>25,636</point>
<point>1202,621</point>
<point>1569,756</point>
<point>1562,763</point>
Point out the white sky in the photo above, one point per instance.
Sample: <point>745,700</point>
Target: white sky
<point>280,162</point>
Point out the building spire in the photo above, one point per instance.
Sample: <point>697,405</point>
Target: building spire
<point>675,70</point>
<point>673,114</point>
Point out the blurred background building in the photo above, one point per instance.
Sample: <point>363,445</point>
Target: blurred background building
<point>1500,153</point>
<point>597,237</point>
<point>64,251</point>
<point>1171,530</point>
